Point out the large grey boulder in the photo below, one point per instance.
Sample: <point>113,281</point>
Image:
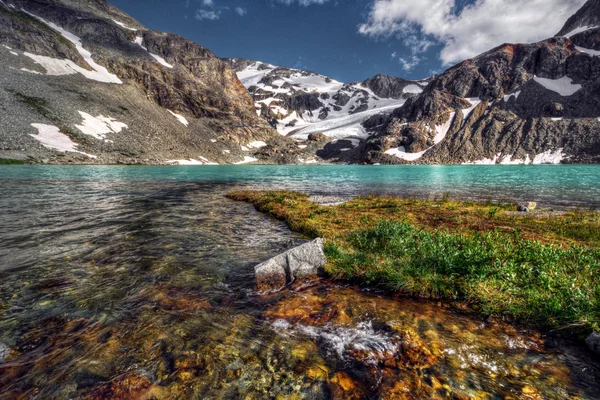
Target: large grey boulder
<point>593,341</point>
<point>298,263</point>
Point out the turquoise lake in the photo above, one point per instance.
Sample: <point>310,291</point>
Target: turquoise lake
<point>550,185</point>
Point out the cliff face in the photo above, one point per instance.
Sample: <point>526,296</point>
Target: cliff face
<point>84,82</point>
<point>518,103</point>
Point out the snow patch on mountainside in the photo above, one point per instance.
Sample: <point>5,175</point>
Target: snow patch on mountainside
<point>563,86</point>
<point>123,25</point>
<point>161,60</point>
<point>440,134</point>
<point>140,40</point>
<point>180,118</point>
<point>593,53</point>
<point>99,73</point>
<point>580,30</point>
<point>52,138</point>
<point>98,127</point>
<point>247,160</point>
<point>550,157</point>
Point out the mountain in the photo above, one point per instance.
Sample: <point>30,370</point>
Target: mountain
<point>516,104</point>
<point>83,82</point>
<point>301,103</point>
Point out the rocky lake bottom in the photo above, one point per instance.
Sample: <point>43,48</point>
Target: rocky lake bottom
<point>127,282</point>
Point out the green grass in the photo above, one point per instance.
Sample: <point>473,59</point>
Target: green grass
<point>543,271</point>
<point>499,274</point>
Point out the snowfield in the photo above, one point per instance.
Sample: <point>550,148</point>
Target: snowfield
<point>52,138</point>
<point>335,121</point>
<point>68,67</point>
<point>563,86</point>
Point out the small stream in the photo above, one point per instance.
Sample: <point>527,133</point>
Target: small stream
<point>112,287</point>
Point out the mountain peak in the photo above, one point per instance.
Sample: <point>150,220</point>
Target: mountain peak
<point>587,17</point>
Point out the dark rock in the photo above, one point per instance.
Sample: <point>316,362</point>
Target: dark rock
<point>593,342</point>
<point>319,137</point>
<point>298,263</point>
<point>522,208</point>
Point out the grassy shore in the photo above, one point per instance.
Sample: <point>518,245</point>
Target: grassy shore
<point>541,270</point>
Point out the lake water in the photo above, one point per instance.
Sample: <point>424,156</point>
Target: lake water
<point>137,282</point>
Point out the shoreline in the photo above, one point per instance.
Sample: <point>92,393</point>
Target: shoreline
<point>349,263</point>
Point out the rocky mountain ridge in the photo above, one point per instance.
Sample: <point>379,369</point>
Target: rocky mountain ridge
<point>83,82</point>
<point>516,104</point>
<point>300,103</point>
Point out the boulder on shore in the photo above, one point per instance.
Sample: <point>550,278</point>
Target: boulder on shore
<point>298,263</point>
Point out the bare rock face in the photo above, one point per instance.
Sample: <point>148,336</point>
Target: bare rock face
<point>176,100</point>
<point>301,262</point>
<point>517,103</point>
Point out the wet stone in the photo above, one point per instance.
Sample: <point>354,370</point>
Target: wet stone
<point>296,264</point>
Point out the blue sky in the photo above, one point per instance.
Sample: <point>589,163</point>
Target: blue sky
<point>352,40</point>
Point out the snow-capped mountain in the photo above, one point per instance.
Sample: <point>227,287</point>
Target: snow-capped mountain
<point>299,102</point>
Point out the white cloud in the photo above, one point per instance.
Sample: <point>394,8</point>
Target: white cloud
<point>241,11</point>
<point>477,28</point>
<point>208,3</point>
<point>207,14</point>
<point>409,63</point>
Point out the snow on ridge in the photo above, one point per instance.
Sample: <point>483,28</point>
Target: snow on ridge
<point>563,86</point>
<point>139,40</point>
<point>180,118</point>
<point>51,137</point>
<point>99,72</point>
<point>591,52</point>
<point>161,60</point>
<point>99,126</point>
<point>123,25</point>
<point>579,30</point>
<point>31,71</point>
<point>413,89</point>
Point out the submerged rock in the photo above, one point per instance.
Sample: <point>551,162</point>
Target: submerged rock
<point>297,263</point>
<point>593,341</point>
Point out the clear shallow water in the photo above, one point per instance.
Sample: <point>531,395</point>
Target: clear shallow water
<point>130,282</point>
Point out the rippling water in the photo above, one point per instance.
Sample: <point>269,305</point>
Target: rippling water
<point>136,282</point>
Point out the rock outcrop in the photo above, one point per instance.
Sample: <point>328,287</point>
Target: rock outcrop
<point>84,82</point>
<point>516,104</point>
<point>301,103</point>
<point>298,263</point>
